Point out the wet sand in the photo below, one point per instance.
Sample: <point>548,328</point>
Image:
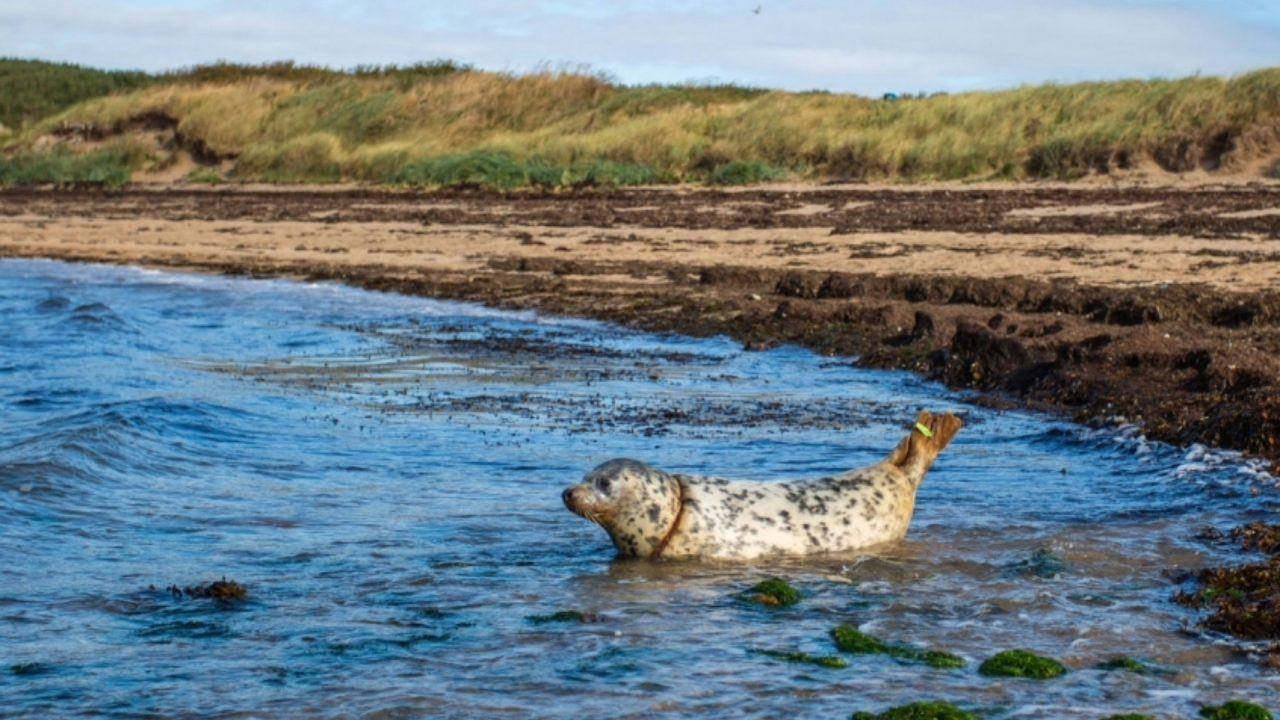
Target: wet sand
<point>1160,306</point>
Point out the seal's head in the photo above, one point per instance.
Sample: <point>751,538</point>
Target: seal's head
<point>636,504</point>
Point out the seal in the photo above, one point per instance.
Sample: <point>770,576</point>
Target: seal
<point>653,514</point>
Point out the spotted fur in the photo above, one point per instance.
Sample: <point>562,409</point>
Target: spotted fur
<point>651,513</point>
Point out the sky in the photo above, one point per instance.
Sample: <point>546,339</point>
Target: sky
<point>868,46</point>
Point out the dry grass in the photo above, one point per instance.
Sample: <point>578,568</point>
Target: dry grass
<point>445,124</point>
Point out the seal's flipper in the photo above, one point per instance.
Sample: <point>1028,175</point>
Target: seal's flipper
<point>931,433</point>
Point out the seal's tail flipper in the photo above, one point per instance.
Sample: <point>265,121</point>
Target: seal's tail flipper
<point>931,433</point>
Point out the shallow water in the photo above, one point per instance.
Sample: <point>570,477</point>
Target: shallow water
<point>383,474</point>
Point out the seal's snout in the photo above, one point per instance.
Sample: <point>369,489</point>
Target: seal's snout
<point>567,497</point>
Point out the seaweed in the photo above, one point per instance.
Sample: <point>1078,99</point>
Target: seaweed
<point>930,710</point>
<point>563,616</point>
<point>222,591</point>
<point>1241,599</point>
<point>1022,664</point>
<point>830,662</point>
<point>774,592</point>
<point>1236,710</point>
<point>1127,664</point>
<point>851,640</point>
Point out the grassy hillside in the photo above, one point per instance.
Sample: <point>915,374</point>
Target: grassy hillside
<point>31,90</point>
<point>442,124</point>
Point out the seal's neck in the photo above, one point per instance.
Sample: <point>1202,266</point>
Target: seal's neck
<point>679,490</point>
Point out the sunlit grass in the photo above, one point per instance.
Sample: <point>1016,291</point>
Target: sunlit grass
<point>444,124</point>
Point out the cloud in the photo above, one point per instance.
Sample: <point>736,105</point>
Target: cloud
<point>870,46</point>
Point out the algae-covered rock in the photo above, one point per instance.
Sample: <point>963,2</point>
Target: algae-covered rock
<point>1022,664</point>
<point>1126,664</point>
<point>826,661</point>
<point>774,592</point>
<point>222,591</point>
<point>851,640</point>
<point>563,616</point>
<point>1236,710</point>
<point>920,711</point>
<point>1131,716</point>
<point>934,658</point>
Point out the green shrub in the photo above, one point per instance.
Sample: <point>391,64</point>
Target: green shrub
<point>205,176</point>
<point>31,89</point>
<point>744,172</point>
<point>481,168</point>
<point>106,167</point>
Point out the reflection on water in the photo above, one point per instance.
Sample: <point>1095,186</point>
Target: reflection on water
<point>383,473</point>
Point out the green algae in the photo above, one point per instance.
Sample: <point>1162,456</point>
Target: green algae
<point>1022,664</point>
<point>1236,710</point>
<point>1127,664</point>
<point>851,640</point>
<point>774,592</point>
<point>1130,716</point>
<point>920,711</point>
<point>563,616</point>
<point>830,662</point>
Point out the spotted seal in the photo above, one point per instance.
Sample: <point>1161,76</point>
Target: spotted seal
<point>654,514</point>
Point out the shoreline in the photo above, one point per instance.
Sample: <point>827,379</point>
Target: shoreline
<point>1158,305</point>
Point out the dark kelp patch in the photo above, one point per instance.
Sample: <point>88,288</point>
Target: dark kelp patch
<point>1242,600</point>
<point>1131,716</point>
<point>1236,710</point>
<point>920,711</point>
<point>830,662</point>
<point>564,616</point>
<point>30,668</point>
<point>222,591</point>
<point>851,640</point>
<point>774,592</point>
<point>1022,664</point>
<point>1043,564</point>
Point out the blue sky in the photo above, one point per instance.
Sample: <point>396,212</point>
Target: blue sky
<point>868,46</point>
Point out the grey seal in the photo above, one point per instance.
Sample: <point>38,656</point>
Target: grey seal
<point>650,513</point>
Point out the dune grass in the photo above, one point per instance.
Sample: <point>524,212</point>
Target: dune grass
<point>446,124</point>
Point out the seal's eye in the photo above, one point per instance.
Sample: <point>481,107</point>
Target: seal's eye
<point>602,484</point>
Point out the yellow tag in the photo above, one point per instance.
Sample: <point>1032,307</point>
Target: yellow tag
<point>925,431</point>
